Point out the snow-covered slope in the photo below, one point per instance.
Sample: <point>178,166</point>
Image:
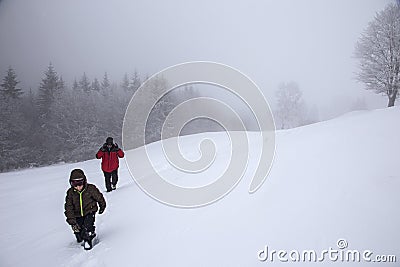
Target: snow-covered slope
<point>331,180</point>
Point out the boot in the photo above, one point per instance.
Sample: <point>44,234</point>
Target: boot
<point>88,240</point>
<point>87,245</point>
<point>79,238</point>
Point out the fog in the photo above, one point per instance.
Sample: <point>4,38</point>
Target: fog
<point>310,42</point>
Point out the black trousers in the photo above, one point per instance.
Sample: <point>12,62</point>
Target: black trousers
<point>111,178</point>
<point>86,223</point>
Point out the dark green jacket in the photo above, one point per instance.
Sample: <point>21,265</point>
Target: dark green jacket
<point>78,204</point>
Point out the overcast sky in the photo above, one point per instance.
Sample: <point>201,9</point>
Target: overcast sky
<point>307,41</point>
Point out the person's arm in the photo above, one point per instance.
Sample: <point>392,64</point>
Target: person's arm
<point>98,196</point>
<point>100,153</point>
<point>120,153</point>
<point>69,210</point>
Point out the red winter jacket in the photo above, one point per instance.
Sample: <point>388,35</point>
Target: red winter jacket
<point>109,158</point>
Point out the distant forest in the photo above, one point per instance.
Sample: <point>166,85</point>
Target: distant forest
<point>58,122</point>
<point>62,123</point>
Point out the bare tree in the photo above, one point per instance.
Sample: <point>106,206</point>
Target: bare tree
<point>378,50</point>
<point>291,109</point>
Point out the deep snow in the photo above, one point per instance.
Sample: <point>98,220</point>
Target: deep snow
<point>330,180</point>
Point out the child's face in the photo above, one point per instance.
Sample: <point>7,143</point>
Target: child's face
<point>79,187</point>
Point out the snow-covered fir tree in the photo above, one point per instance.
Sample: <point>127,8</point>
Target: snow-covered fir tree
<point>96,85</point>
<point>125,84</point>
<point>48,88</point>
<point>9,87</point>
<point>135,82</point>
<point>84,83</point>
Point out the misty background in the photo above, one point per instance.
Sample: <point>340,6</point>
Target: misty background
<point>303,48</point>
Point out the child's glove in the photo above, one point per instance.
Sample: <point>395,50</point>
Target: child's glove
<point>101,211</point>
<point>75,228</point>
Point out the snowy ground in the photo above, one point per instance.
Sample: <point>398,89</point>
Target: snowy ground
<point>331,180</point>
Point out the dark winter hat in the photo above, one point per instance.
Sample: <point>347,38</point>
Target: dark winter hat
<point>76,175</point>
<point>109,140</point>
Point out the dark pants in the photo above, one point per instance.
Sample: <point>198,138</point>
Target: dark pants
<point>86,223</point>
<point>111,178</point>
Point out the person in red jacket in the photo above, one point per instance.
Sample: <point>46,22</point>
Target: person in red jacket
<point>109,154</point>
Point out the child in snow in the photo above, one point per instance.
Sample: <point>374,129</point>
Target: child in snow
<point>109,154</point>
<point>81,206</point>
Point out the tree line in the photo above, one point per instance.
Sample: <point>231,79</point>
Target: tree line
<point>61,123</point>
<point>57,123</point>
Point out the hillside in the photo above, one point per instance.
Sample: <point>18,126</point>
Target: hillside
<point>337,179</point>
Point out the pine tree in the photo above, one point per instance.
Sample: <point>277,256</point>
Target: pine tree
<point>105,85</point>
<point>96,85</point>
<point>84,83</point>
<point>48,88</point>
<point>135,82</point>
<point>12,124</point>
<point>61,83</point>
<point>75,85</point>
<point>125,83</point>
<point>12,131</point>
<point>9,85</point>
<point>160,110</point>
